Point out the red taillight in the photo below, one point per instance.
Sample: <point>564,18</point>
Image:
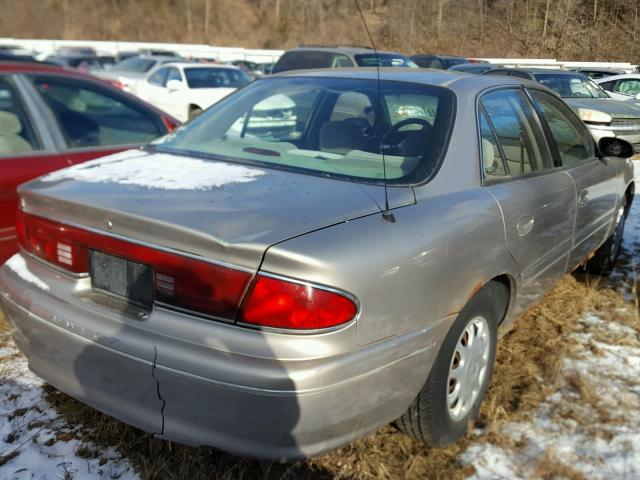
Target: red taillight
<point>179,281</point>
<point>273,302</point>
<point>169,123</point>
<point>52,242</point>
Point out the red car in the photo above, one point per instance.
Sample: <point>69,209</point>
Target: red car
<point>51,118</point>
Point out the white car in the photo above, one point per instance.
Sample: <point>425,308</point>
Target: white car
<point>622,87</point>
<point>128,73</point>
<point>184,90</point>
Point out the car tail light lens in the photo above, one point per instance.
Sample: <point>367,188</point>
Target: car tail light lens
<point>274,302</point>
<point>179,281</point>
<point>52,242</point>
<point>169,123</point>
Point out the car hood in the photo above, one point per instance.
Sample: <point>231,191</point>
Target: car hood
<point>220,210</point>
<point>612,107</point>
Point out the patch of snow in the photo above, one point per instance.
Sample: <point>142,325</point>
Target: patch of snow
<point>636,171</point>
<point>30,432</point>
<point>17,265</point>
<point>603,441</point>
<point>158,170</point>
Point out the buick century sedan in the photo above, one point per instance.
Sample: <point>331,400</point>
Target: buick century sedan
<point>278,291</point>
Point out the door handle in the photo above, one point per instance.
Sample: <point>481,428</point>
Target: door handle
<point>584,197</point>
<point>525,224</point>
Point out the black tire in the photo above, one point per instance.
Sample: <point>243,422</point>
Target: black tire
<point>194,112</point>
<point>428,419</point>
<point>605,257</point>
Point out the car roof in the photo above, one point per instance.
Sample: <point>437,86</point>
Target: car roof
<point>457,81</point>
<point>622,76</point>
<point>10,66</point>
<point>188,64</point>
<point>354,50</point>
<point>442,57</point>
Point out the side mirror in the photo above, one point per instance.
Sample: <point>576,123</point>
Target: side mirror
<point>615,147</point>
<point>175,85</point>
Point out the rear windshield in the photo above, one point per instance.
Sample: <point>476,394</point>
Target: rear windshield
<point>307,59</point>
<point>135,64</point>
<point>216,78</point>
<point>326,126</point>
<point>384,60</point>
<point>571,86</point>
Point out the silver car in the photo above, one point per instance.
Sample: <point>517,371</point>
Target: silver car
<point>279,292</point>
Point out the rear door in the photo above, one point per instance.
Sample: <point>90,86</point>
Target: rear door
<point>536,196</point>
<point>597,182</point>
<point>26,152</point>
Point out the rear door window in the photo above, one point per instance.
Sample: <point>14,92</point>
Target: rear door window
<point>519,133</point>
<point>90,116</point>
<point>17,135</point>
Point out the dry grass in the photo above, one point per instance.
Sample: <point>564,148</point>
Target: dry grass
<point>528,368</point>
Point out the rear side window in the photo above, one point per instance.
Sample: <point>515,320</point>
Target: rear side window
<point>520,136</point>
<point>303,60</point>
<point>90,116</point>
<point>492,162</point>
<point>329,127</point>
<point>16,133</point>
<point>575,143</point>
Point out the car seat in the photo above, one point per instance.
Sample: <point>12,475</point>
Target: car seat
<point>10,139</point>
<point>340,137</point>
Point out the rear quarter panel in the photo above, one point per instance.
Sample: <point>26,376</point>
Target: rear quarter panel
<point>422,268</point>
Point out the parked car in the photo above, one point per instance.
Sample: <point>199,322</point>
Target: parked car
<point>278,295</point>
<point>338,57</point>
<point>86,64</point>
<point>605,116</point>
<point>595,73</point>
<point>51,118</point>
<point>184,90</point>
<point>440,62</point>
<point>475,67</point>
<point>128,73</point>
<point>622,87</point>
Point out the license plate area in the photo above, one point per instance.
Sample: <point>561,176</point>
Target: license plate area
<point>123,278</point>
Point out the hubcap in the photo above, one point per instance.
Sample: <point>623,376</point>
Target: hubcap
<point>468,368</point>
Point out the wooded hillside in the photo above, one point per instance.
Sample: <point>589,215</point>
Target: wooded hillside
<point>564,29</point>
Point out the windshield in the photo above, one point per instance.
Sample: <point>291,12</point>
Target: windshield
<point>135,64</point>
<point>571,86</point>
<point>327,126</point>
<point>384,60</point>
<point>216,78</point>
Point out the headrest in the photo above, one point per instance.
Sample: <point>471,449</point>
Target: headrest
<point>9,123</point>
<point>488,156</point>
<point>340,137</point>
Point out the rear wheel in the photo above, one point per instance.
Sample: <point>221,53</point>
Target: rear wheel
<point>604,260</point>
<point>461,374</point>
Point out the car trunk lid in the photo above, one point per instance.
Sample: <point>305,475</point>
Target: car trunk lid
<point>218,210</point>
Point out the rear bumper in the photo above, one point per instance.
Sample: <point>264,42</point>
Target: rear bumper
<point>198,382</point>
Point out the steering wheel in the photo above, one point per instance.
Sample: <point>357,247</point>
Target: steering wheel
<point>394,136</point>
